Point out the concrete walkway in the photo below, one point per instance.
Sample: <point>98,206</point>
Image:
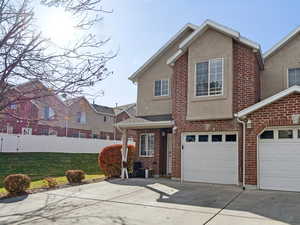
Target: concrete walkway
<point>152,201</point>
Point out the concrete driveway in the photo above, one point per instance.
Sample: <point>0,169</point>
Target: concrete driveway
<point>152,201</point>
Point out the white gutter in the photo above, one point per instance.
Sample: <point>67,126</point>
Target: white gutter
<point>244,149</point>
<point>150,124</point>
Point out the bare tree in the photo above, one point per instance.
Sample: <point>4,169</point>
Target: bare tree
<point>26,56</point>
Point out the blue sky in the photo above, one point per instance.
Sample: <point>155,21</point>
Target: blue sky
<point>138,28</point>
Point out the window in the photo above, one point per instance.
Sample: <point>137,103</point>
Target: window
<point>294,76</point>
<point>82,135</point>
<point>104,118</point>
<point>190,138</point>
<point>299,133</point>
<point>268,134</point>
<point>230,138</point>
<point>216,138</point>
<point>13,106</point>
<point>203,138</point>
<point>26,131</point>
<point>48,113</point>
<point>147,145</point>
<point>209,78</point>
<point>285,134</point>
<point>9,129</point>
<point>44,131</point>
<point>81,117</point>
<point>161,88</point>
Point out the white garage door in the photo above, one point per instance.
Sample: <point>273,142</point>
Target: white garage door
<point>279,159</point>
<point>210,157</point>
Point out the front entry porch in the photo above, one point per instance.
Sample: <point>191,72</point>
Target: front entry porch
<point>153,144</point>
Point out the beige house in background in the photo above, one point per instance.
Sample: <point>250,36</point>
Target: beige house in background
<point>99,119</point>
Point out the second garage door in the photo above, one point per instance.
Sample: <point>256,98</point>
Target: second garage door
<point>210,157</point>
<point>279,159</point>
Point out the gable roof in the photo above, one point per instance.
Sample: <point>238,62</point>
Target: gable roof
<point>103,109</point>
<point>267,101</point>
<point>162,50</point>
<point>130,109</point>
<point>95,107</point>
<point>216,26</point>
<point>282,42</point>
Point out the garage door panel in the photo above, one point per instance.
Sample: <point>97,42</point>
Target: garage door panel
<point>279,163</point>
<point>210,162</point>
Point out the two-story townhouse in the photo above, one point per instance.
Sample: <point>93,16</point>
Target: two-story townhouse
<point>97,118</point>
<point>211,108</point>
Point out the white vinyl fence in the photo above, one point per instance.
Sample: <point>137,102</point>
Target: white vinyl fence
<point>37,143</point>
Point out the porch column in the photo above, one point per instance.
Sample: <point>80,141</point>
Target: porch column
<point>124,152</point>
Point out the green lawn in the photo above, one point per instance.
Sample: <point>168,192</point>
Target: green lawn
<point>41,165</point>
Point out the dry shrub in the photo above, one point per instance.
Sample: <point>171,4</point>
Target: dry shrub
<point>50,182</point>
<point>75,176</point>
<point>17,183</point>
<point>110,158</point>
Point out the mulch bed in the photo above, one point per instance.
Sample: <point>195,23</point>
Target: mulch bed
<point>38,190</point>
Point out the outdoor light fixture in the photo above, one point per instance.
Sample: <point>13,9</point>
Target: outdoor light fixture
<point>249,124</point>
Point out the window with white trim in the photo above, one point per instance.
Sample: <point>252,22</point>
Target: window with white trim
<point>209,78</point>
<point>81,117</point>
<point>294,76</point>
<point>49,113</point>
<point>147,145</point>
<point>161,88</point>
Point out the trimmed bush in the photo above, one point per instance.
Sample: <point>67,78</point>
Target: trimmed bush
<point>50,182</point>
<point>110,160</point>
<point>16,183</point>
<point>75,176</point>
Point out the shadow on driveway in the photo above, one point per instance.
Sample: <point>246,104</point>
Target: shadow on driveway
<point>231,200</point>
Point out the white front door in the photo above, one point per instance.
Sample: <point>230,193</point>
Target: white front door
<point>169,154</point>
<point>210,157</point>
<point>279,159</point>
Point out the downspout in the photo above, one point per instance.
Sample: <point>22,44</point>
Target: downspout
<point>244,149</point>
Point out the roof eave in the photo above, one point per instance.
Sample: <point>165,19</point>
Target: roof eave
<point>135,75</point>
<point>210,24</point>
<point>281,43</point>
<point>267,101</point>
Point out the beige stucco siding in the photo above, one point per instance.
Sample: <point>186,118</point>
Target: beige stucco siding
<point>94,121</point>
<point>210,45</point>
<point>147,104</point>
<point>274,77</point>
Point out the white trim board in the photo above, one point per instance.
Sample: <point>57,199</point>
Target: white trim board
<point>211,24</point>
<point>268,101</point>
<point>282,42</point>
<point>134,76</point>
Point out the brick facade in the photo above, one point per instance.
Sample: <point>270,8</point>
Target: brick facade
<point>246,92</point>
<point>150,162</point>
<point>246,77</point>
<point>278,113</point>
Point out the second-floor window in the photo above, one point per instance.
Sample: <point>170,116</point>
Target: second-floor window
<point>161,88</point>
<point>294,76</point>
<point>209,78</point>
<point>81,117</point>
<point>48,113</point>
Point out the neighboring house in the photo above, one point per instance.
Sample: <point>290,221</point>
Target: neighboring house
<point>125,112</point>
<point>49,115</point>
<point>99,119</point>
<point>211,108</point>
